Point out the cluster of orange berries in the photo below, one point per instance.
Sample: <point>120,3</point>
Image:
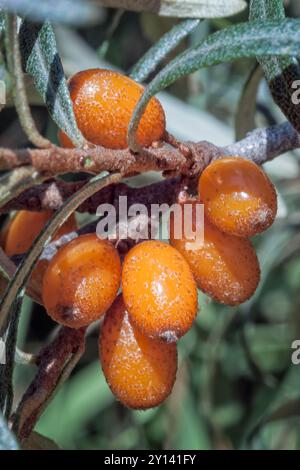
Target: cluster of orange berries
<point>239,202</point>
<point>159,281</point>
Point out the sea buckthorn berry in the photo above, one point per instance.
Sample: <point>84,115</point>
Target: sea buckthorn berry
<point>140,371</point>
<point>103,103</point>
<point>225,266</point>
<point>25,226</point>
<point>159,290</point>
<point>81,281</point>
<point>238,196</point>
<point>20,233</point>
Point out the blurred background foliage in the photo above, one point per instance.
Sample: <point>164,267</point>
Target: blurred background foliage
<point>236,386</point>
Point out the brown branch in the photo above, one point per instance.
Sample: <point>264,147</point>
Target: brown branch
<point>59,160</point>
<point>187,159</point>
<point>260,146</point>
<point>52,194</point>
<point>163,192</point>
<point>55,363</point>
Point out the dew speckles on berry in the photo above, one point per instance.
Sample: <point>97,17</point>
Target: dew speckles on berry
<point>159,289</point>
<point>139,370</point>
<point>103,103</point>
<point>239,197</point>
<point>85,276</point>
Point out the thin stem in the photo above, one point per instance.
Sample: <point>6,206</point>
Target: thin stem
<point>260,146</point>
<point>19,92</point>
<point>15,182</point>
<point>55,363</point>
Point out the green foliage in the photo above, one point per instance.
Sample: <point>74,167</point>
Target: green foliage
<point>161,49</point>
<point>280,72</point>
<point>2,21</point>
<point>267,9</point>
<point>243,40</point>
<point>41,60</point>
<point>245,116</point>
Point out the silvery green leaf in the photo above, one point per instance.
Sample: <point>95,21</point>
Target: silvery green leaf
<point>41,60</point>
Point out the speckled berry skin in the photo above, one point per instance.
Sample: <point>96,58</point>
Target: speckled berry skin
<point>103,103</point>
<point>140,371</point>
<point>159,290</point>
<point>238,196</point>
<point>225,266</point>
<point>81,281</point>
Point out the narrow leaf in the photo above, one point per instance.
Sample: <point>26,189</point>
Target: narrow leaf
<point>285,411</point>
<point>161,49</point>
<point>280,72</point>
<point>2,20</point>
<point>256,38</point>
<point>181,8</point>
<point>76,12</point>
<point>7,369</point>
<point>7,439</point>
<point>269,9</point>
<point>14,63</point>
<point>245,116</point>
<point>41,60</point>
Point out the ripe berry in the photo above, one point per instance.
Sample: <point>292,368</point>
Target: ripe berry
<point>140,371</point>
<point>159,290</point>
<point>81,281</point>
<point>103,103</point>
<point>238,196</point>
<point>25,226</point>
<point>22,230</point>
<point>225,266</point>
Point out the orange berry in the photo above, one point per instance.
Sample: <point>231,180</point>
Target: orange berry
<point>81,281</point>
<point>225,266</point>
<point>103,103</point>
<point>238,196</point>
<point>140,371</point>
<point>25,226</point>
<point>159,290</point>
<point>23,229</point>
